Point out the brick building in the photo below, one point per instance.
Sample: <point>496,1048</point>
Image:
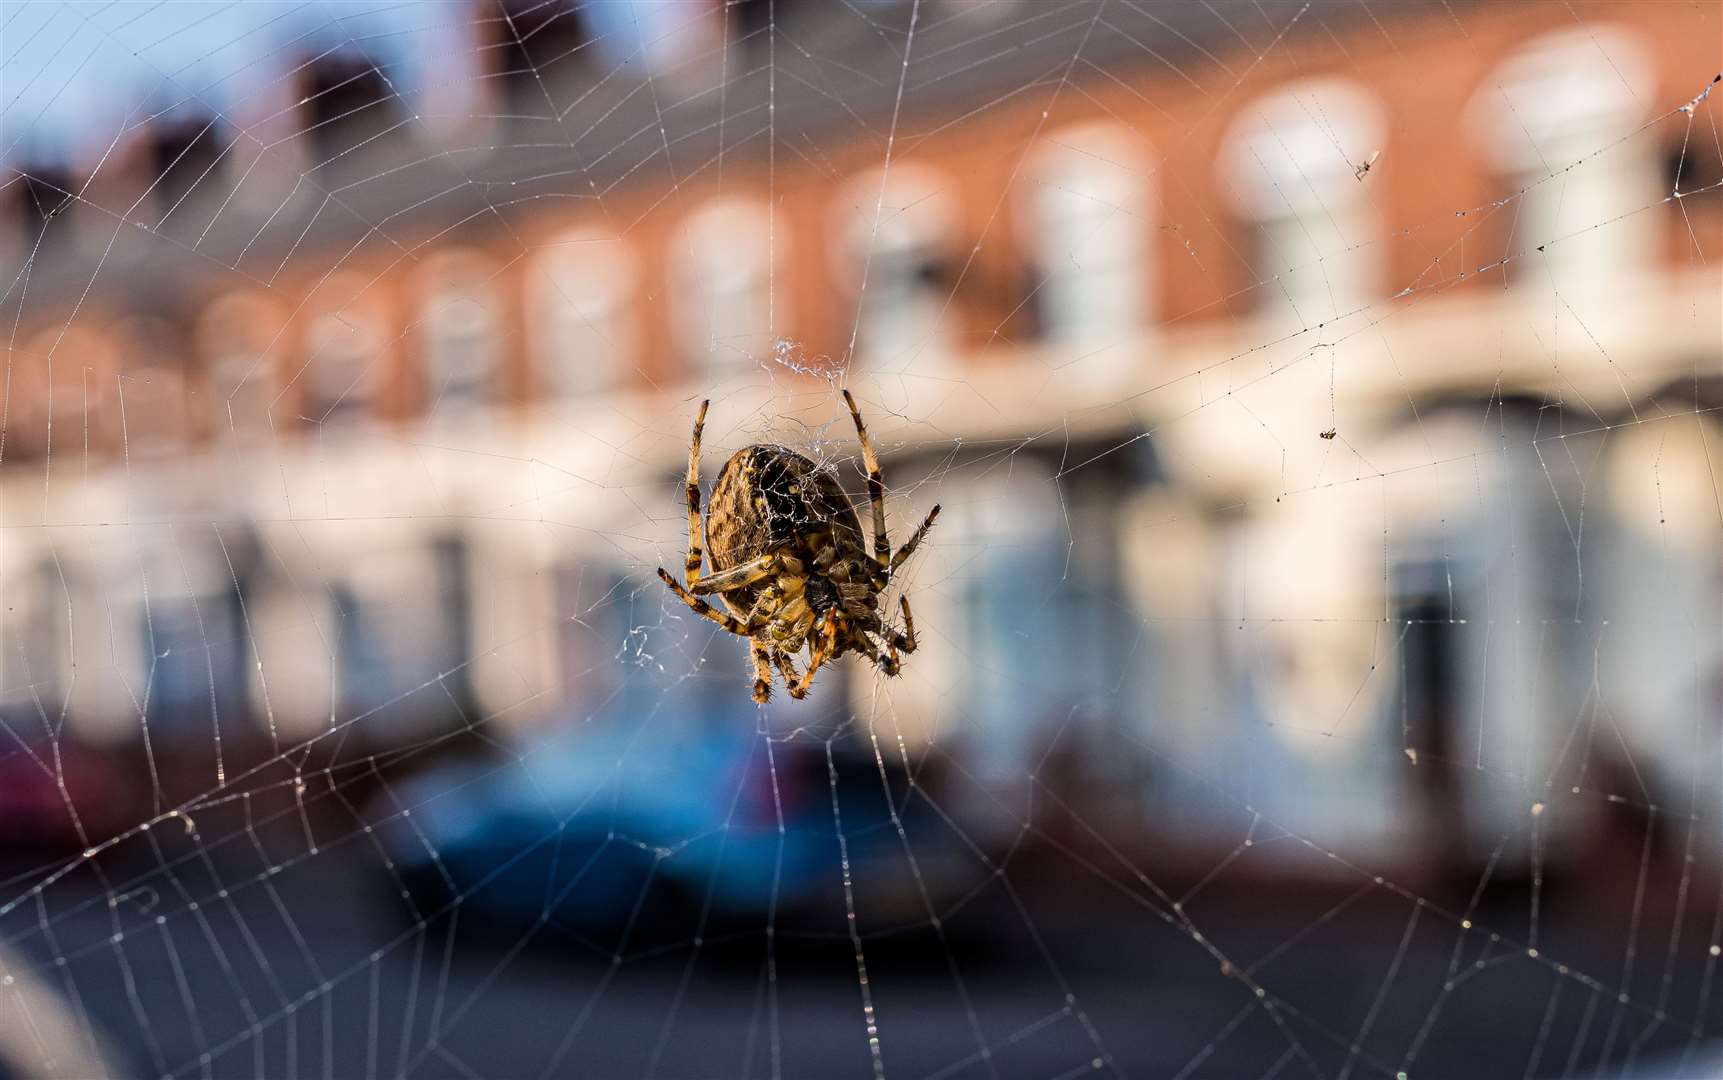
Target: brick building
<point>1261,360</point>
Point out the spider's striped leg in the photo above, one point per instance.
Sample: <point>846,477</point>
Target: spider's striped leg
<point>765,609</point>
<point>883,657</point>
<point>786,666</point>
<point>791,624</point>
<point>822,652</point>
<point>695,532</point>
<point>702,608</point>
<point>749,573</point>
<point>905,640</point>
<point>762,672</point>
<point>915,539</point>
<point>875,483</point>
<point>887,659</point>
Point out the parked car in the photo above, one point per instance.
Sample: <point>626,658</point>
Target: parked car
<point>664,831</point>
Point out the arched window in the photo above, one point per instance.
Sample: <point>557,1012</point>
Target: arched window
<point>1291,164</point>
<point>1556,120</point>
<point>237,338</point>
<point>893,246</point>
<point>583,290</point>
<point>153,414</point>
<point>60,388</point>
<point>1086,228</point>
<point>344,344</point>
<point>722,263</point>
<point>458,330</point>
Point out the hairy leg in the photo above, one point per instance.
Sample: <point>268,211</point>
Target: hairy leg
<point>762,672</point>
<point>738,577</point>
<point>696,534</point>
<point>905,640</point>
<point>875,483</point>
<point>822,652</point>
<point>915,539</point>
<point>701,607</point>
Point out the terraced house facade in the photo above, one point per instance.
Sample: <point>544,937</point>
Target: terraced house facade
<point>1266,358</point>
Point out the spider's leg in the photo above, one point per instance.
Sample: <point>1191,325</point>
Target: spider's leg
<point>888,661</point>
<point>702,608</point>
<point>905,640</point>
<point>764,611</point>
<point>762,672</point>
<point>737,577</point>
<point>875,483</point>
<point>915,539</point>
<point>791,623</point>
<point>760,652</point>
<point>696,537</point>
<point>786,666</point>
<point>882,657</point>
<point>822,652</point>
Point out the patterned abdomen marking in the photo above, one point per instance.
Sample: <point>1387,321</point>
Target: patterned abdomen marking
<point>769,497</point>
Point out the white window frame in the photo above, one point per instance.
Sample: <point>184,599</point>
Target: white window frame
<point>345,344</point>
<point>1291,164</point>
<point>238,365</point>
<point>1558,119</point>
<point>888,231</point>
<point>1086,221</point>
<point>460,332</point>
<point>584,286</point>
<point>153,418</point>
<point>730,307</point>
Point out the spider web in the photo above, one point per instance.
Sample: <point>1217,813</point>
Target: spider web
<point>1318,666</point>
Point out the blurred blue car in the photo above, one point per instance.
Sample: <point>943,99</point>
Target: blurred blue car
<point>620,834</point>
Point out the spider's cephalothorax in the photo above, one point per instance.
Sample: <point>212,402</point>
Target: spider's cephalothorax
<point>790,561</point>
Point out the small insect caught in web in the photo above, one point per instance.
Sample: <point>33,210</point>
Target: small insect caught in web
<point>791,565</point>
<point>1329,434</point>
<point>1364,167</point>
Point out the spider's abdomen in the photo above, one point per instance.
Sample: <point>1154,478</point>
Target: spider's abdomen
<point>769,497</point>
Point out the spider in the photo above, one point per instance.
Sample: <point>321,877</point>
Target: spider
<point>790,562</point>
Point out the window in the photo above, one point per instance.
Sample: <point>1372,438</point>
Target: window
<point>236,337</point>
<point>1557,120</point>
<point>196,659</point>
<point>344,350</point>
<point>154,421</point>
<point>401,638</point>
<point>722,263</point>
<point>34,643</point>
<point>583,289</point>
<point>1085,227</point>
<point>1659,568</point>
<point>1014,520</point>
<point>892,250</point>
<point>459,330</point>
<point>152,415</point>
<point>62,387</point>
<point>598,648</point>
<point>1291,165</point>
